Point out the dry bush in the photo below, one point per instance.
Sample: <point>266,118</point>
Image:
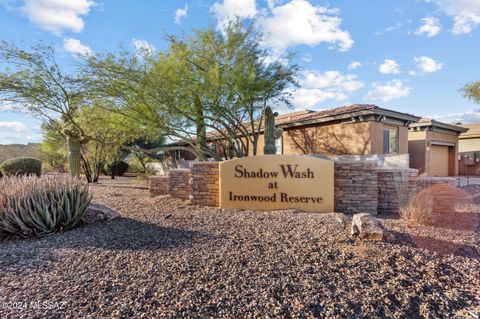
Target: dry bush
<point>415,204</point>
<point>419,209</point>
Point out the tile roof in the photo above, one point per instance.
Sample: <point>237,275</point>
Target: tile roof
<point>312,115</point>
<point>473,130</point>
<point>427,122</point>
<point>309,115</point>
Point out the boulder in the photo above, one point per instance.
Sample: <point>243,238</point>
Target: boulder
<point>367,227</point>
<point>98,212</point>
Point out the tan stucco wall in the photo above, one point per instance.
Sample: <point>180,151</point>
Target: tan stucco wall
<point>469,145</point>
<point>417,148</point>
<point>376,133</point>
<point>403,139</point>
<point>363,138</point>
<point>332,139</point>
<point>420,155</point>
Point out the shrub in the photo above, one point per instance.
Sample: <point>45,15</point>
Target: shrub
<point>418,210</point>
<point>117,168</point>
<point>31,206</point>
<point>21,166</point>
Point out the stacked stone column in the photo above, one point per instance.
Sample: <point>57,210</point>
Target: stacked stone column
<point>205,184</point>
<point>179,183</point>
<point>158,185</point>
<point>355,187</point>
<point>395,187</point>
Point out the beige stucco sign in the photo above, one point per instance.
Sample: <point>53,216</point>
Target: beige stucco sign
<point>277,182</point>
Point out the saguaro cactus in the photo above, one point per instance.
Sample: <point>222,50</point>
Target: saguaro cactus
<point>270,133</point>
<point>74,140</point>
<point>73,147</point>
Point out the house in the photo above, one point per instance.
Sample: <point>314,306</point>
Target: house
<point>359,129</point>
<point>365,129</point>
<point>433,147</point>
<point>469,150</point>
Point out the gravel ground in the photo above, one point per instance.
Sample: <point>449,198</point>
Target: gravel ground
<point>167,259</point>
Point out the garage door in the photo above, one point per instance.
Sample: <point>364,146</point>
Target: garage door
<point>438,160</point>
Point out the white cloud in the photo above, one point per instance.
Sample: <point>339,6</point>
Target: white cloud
<point>317,87</point>
<point>228,10</point>
<point>300,22</point>
<point>17,132</point>
<point>143,46</point>
<point>397,25</point>
<point>287,24</point>
<point>388,91</point>
<point>6,106</point>
<point>307,57</point>
<point>13,126</point>
<point>431,27</point>
<point>181,13</point>
<point>75,47</point>
<point>389,67</point>
<point>465,13</point>
<point>56,16</point>
<point>426,65</point>
<point>467,117</point>
<point>354,65</point>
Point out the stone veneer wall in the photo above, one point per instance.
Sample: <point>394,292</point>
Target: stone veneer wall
<point>355,186</point>
<point>205,183</point>
<point>179,183</point>
<point>394,186</point>
<point>158,185</point>
<point>359,186</point>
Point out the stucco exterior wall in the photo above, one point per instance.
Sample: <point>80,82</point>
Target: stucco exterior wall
<point>420,154</point>
<point>332,139</point>
<point>363,138</point>
<point>417,149</point>
<point>403,139</point>
<point>469,145</point>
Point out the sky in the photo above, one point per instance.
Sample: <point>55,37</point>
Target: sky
<point>411,56</point>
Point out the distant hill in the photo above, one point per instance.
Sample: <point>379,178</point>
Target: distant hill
<point>19,150</point>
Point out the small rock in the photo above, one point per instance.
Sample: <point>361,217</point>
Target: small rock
<point>366,227</point>
<point>98,212</point>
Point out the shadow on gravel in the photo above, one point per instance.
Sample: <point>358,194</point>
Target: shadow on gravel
<point>130,234</point>
<point>122,234</point>
<point>464,221</point>
<point>125,186</point>
<point>435,245</point>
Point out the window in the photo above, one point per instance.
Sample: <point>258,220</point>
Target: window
<point>278,145</point>
<point>390,141</point>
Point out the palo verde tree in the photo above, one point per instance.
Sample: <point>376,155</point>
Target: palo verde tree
<point>211,81</point>
<point>34,82</point>
<point>472,91</point>
<point>109,134</point>
<point>54,153</point>
<point>139,145</point>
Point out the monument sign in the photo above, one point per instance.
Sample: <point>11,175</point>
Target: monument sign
<point>277,182</point>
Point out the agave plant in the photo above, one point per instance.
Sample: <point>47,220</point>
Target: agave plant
<point>32,206</point>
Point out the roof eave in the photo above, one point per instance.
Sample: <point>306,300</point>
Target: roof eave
<point>453,128</point>
<point>377,111</point>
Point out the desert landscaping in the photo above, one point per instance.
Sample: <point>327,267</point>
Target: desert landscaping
<point>239,159</point>
<point>164,258</point>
